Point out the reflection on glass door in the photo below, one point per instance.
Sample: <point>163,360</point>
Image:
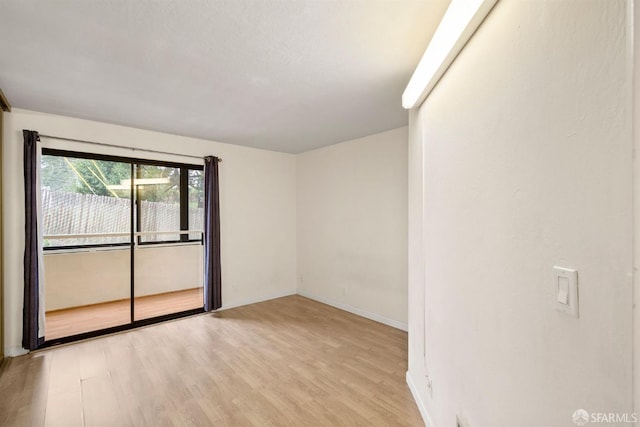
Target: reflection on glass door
<point>86,226</point>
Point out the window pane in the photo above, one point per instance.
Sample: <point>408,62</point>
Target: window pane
<point>158,189</point>
<point>84,197</point>
<point>196,203</point>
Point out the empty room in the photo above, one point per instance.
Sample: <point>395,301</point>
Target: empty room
<point>319,213</point>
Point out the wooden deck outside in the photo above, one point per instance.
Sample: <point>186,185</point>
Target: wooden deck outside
<point>72,321</point>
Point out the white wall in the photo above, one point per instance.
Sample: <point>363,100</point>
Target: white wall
<point>415,258</point>
<point>84,277</point>
<point>527,164</point>
<point>258,206</point>
<point>159,269</point>
<point>636,206</point>
<point>352,226</point>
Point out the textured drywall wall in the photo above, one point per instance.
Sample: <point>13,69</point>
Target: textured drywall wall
<point>257,201</point>
<point>352,226</point>
<point>527,164</point>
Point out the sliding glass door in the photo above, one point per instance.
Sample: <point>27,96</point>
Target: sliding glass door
<point>122,241</point>
<point>168,252</point>
<point>87,251</point>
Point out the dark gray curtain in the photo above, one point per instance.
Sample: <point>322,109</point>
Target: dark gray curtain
<point>212,273</point>
<point>30,310</point>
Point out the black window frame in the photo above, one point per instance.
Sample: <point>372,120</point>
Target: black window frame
<point>134,161</point>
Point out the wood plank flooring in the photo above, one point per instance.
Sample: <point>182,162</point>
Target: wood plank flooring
<point>72,321</point>
<point>285,362</point>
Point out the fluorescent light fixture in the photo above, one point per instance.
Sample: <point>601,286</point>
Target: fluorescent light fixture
<point>458,24</point>
<point>146,181</point>
<point>125,184</point>
<point>119,187</point>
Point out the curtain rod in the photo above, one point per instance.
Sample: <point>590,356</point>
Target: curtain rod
<point>120,146</point>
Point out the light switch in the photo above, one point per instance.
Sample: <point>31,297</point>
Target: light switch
<point>565,281</point>
<point>563,290</point>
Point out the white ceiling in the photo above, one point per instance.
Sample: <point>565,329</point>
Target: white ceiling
<point>282,75</point>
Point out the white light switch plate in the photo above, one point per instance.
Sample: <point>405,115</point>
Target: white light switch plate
<point>565,286</point>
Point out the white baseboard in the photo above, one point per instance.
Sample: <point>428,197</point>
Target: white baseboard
<point>15,352</point>
<point>358,311</point>
<point>257,299</point>
<point>416,396</point>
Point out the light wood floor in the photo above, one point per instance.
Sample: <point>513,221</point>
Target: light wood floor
<point>284,362</point>
<point>72,321</point>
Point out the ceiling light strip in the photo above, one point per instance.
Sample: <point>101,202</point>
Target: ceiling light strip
<point>458,24</point>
